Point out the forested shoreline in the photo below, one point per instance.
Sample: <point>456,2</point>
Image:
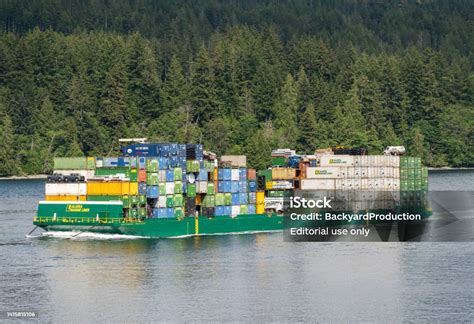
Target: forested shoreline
<point>240,84</point>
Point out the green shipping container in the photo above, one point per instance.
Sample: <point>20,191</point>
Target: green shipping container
<point>152,179</point>
<point>227,198</point>
<point>192,166</point>
<point>417,184</point>
<point>178,173</point>
<point>133,212</point>
<point>278,193</point>
<point>403,173</point>
<point>142,212</point>
<point>404,162</point>
<point>178,212</point>
<point>178,200</point>
<point>403,185</point>
<point>191,190</point>
<point>134,200</point>
<point>151,165</point>
<point>265,173</point>
<point>162,188</point>
<point>220,199</point>
<point>208,165</point>
<point>243,209</point>
<point>279,161</point>
<point>417,172</point>
<point>208,201</point>
<point>126,201</point>
<point>210,188</point>
<point>142,200</point>
<point>178,187</point>
<point>74,163</point>
<point>411,184</point>
<point>417,162</point>
<point>424,172</point>
<point>169,201</point>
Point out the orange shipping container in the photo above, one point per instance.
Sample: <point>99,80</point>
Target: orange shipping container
<point>65,198</point>
<point>141,175</point>
<point>251,174</point>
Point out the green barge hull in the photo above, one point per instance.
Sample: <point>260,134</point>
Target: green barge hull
<point>172,227</point>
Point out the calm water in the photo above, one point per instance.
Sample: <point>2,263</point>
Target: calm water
<point>229,278</point>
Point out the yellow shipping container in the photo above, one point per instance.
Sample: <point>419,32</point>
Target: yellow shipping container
<point>283,173</point>
<point>105,188</point>
<point>260,208</point>
<point>130,188</point>
<point>64,198</point>
<point>269,185</point>
<point>260,197</point>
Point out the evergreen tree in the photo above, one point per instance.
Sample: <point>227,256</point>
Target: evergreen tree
<point>203,95</point>
<point>308,130</point>
<point>287,111</point>
<point>8,164</point>
<point>113,103</point>
<point>175,90</point>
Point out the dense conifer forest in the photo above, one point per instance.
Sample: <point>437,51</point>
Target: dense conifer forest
<point>242,77</point>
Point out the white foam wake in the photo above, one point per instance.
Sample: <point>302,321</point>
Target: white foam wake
<point>76,235</point>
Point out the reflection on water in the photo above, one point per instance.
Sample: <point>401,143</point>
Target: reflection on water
<point>235,278</point>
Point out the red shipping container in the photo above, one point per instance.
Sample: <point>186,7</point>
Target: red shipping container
<point>251,174</point>
<point>141,175</point>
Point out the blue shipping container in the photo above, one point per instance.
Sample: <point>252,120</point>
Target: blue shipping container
<point>141,150</point>
<point>202,175</point>
<point>169,175</point>
<point>141,162</point>
<point>234,186</point>
<point>227,186</point>
<point>243,186</point>
<point>152,191</point>
<point>163,163</point>
<point>142,188</point>
<point>227,174</point>
<point>173,162</point>
<point>243,198</point>
<point>252,185</point>
<point>250,209</point>
<point>227,210</point>
<point>252,198</point>
<point>170,212</point>
<point>242,174</point>
<point>235,199</point>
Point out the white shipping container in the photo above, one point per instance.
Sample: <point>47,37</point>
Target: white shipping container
<point>282,184</point>
<point>201,187</point>
<point>234,175</point>
<point>161,202</point>
<point>66,189</point>
<point>325,172</point>
<point>318,184</point>
<point>85,173</point>
<point>162,175</point>
<point>169,188</point>
<point>235,210</point>
<point>336,160</point>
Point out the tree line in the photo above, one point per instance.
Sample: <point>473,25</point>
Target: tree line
<point>244,89</point>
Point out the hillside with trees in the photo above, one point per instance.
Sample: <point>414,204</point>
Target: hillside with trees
<point>241,77</point>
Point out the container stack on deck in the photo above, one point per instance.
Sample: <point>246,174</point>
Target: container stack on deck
<point>171,180</point>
